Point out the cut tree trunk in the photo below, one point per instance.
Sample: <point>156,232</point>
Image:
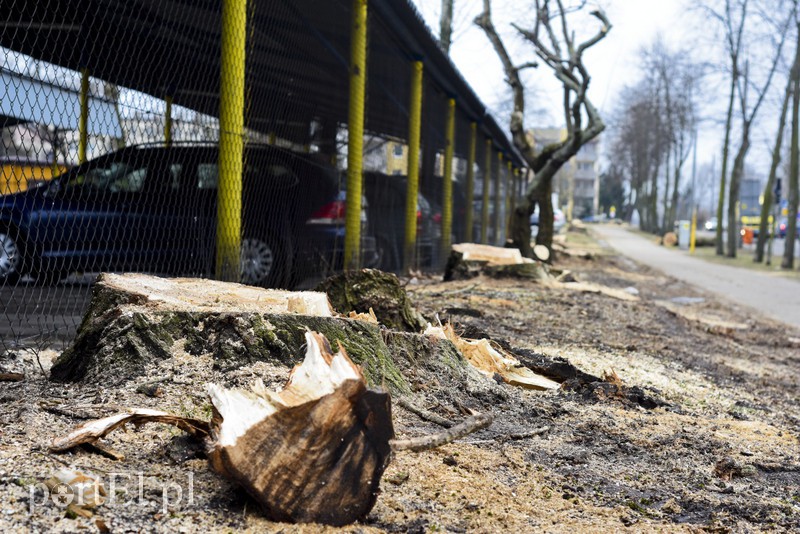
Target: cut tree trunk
<point>468,260</point>
<point>360,291</point>
<point>135,322</point>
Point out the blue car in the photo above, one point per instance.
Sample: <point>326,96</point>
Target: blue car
<point>154,209</point>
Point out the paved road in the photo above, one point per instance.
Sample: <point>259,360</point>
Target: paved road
<point>772,295</point>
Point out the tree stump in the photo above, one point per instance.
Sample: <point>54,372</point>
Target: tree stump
<point>360,291</point>
<point>134,322</point>
<point>468,260</point>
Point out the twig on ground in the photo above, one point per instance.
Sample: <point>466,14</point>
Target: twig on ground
<point>468,426</point>
<point>424,414</point>
<point>511,437</point>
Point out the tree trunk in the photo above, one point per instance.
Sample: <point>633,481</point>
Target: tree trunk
<point>135,323</point>
<point>673,209</point>
<point>766,207</point>
<point>665,227</point>
<point>733,197</point>
<point>446,26</point>
<point>725,151</point>
<point>794,166</point>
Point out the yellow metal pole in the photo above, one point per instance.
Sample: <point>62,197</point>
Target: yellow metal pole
<point>83,120</point>
<point>693,232</point>
<point>487,178</point>
<point>496,221</point>
<point>355,135</point>
<point>514,195</point>
<point>414,126</point>
<point>509,194</point>
<point>473,133</point>
<point>168,122</point>
<point>231,139</point>
<point>447,190</point>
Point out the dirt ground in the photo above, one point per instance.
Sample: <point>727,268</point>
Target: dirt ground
<point>701,435</point>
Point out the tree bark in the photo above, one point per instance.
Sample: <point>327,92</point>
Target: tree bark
<point>766,207</point>
<point>794,166</point>
<point>725,152</point>
<point>733,197</point>
<point>446,26</point>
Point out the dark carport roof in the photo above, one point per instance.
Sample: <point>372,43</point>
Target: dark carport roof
<point>297,57</point>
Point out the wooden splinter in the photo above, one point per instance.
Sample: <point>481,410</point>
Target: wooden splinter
<point>315,451</point>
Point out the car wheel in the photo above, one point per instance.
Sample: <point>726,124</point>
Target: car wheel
<point>262,262</point>
<point>12,256</point>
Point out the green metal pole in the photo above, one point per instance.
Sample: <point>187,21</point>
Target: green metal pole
<point>355,135</point>
<point>473,133</point>
<point>168,122</point>
<point>414,127</point>
<point>231,139</point>
<point>496,221</point>
<point>487,178</point>
<point>447,190</point>
<point>83,120</point>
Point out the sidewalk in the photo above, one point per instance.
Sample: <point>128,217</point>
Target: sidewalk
<point>773,296</point>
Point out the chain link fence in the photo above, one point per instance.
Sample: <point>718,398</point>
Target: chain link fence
<point>212,139</point>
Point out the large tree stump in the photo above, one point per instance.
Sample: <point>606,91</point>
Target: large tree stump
<point>468,260</point>
<point>135,321</point>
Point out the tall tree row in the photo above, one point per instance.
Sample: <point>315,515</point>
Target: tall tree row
<point>652,134</point>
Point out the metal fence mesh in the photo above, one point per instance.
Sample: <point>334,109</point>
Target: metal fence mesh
<point>116,154</point>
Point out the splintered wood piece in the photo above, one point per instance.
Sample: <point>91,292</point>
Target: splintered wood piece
<point>313,452</point>
<point>491,360</point>
<point>94,430</point>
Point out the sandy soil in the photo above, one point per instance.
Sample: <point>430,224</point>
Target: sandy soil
<point>718,453</point>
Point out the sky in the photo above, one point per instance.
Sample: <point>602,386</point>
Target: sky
<point>612,62</point>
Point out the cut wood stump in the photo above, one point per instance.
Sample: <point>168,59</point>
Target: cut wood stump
<point>468,260</point>
<point>134,322</point>
<point>371,289</point>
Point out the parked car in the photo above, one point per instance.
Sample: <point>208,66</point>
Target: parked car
<point>154,208</point>
<point>559,221</point>
<point>386,195</point>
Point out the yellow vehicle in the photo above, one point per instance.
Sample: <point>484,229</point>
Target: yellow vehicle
<point>21,174</point>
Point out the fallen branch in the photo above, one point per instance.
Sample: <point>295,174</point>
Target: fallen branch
<point>511,437</point>
<point>468,426</point>
<point>424,414</point>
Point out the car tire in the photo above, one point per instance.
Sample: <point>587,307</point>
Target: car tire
<point>12,255</point>
<point>263,262</point>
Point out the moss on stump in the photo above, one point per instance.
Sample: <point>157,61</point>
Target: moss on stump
<point>370,288</point>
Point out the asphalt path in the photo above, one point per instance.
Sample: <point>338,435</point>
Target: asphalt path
<point>772,295</point>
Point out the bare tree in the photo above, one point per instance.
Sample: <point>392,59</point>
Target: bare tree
<point>734,29</point>
<point>555,45</point>
<point>766,207</point>
<point>734,17</point>
<point>794,167</point>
